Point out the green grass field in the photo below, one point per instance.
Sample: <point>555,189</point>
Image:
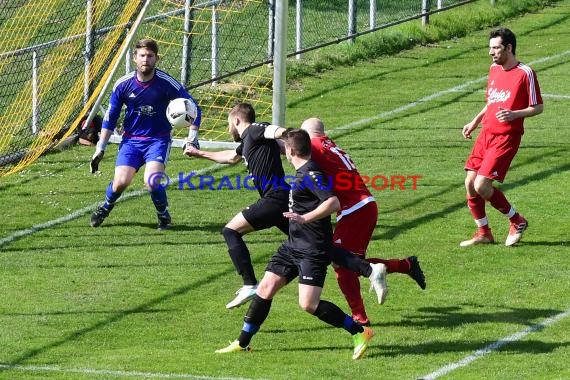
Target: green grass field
<point>125,301</point>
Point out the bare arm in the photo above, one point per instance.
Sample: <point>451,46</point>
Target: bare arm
<point>505,115</point>
<point>324,209</point>
<point>221,157</point>
<point>473,124</point>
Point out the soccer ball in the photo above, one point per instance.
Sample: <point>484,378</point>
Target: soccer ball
<point>181,112</point>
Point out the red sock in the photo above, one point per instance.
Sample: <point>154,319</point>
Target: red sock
<point>350,286</point>
<point>392,265</point>
<point>476,205</point>
<point>500,202</point>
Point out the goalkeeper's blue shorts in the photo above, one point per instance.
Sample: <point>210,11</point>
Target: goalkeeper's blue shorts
<point>135,152</point>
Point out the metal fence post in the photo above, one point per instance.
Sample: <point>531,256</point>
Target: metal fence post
<point>279,65</point>
<point>425,10</point>
<point>372,15</point>
<point>299,27</point>
<point>35,92</point>
<point>89,37</point>
<point>214,42</point>
<point>351,19</point>
<point>271,27</point>
<point>128,56</point>
<point>187,44</point>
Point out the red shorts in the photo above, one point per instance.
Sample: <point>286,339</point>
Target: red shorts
<point>492,155</point>
<point>354,231</point>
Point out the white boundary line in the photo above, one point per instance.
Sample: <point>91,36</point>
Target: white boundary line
<point>494,346</point>
<point>85,210</point>
<point>90,371</point>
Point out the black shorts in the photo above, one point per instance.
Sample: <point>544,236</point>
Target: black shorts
<point>310,268</point>
<point>267,213</point>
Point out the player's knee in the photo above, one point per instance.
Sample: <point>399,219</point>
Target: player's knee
<point>483,188</point>
<point>228,233</point>
<point>232,237</point>
<point>308,306</point>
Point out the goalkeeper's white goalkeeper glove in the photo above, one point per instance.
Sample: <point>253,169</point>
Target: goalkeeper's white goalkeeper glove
<point>192,139</point>
<point>97,157</point>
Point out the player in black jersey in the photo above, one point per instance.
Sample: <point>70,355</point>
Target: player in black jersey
<point>305,255</point>
<point>262,154</point>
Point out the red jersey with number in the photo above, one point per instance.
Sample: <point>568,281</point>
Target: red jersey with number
<point>513,89</point>
<point>347,185</point>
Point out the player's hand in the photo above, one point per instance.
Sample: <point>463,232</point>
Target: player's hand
<point>95,160</point>
<point>190,150</point>
<point>294,217</point>
<point>504,115</point>
<point>467,129</point>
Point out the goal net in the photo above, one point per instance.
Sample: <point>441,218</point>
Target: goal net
<point>57,55</point>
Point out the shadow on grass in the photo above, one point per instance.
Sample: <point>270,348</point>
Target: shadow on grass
<point>116,316</point>
<point>392,350</point>
<point>456,316</point>
<point>86,312</point>
<point>450,318</point>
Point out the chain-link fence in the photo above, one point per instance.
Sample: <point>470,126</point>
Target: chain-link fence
<point>55,54</point>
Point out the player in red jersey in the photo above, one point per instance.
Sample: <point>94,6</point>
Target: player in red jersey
<point>356,219</point>
<point>512,94</point>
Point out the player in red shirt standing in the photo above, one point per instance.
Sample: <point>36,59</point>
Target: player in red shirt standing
<point>513,93</point>
<point>356,219</point>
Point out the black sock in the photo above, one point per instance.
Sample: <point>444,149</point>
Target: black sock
<point>240,255</point>
<point>256,314</point>
<point>349,260</point>
<point>330,313</point>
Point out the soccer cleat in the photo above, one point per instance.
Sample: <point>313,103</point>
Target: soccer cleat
<point>233,347</point>
<point>164,221</point>
<point>416,272</point>
<point>480,237</point>
<point>378,281</point>
<point>243,295</point>
<point>516,231</point>
<point>99,216</point>
<point>361,341</point>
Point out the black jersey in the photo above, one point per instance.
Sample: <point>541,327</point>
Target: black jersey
<point>263,160</point>
<point>309,190</point>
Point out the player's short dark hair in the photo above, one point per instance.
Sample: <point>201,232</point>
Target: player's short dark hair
<point>299,141</point>
<point>245,112</point>
<point>147,43</point>
<point>507,36</point>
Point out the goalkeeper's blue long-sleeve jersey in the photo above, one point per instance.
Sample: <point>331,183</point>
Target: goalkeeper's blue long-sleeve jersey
<point>146,103</point>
